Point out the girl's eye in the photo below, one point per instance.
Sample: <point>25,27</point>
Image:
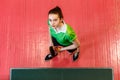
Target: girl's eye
<point>55,20</point>
<point>50,20</point>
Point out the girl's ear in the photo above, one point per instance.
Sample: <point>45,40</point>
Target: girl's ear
<point>61,20</point>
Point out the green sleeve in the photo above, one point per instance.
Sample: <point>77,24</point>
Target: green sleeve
<point>71,34</point>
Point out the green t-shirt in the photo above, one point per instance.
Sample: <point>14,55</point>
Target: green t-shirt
<point>64,38</point>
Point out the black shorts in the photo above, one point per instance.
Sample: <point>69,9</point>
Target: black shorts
<point>55,43</point>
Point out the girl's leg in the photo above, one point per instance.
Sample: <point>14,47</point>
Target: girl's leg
<point>55,43</point>
<point>52,53</point>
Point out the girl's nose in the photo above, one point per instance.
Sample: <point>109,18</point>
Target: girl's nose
<point>52,23</point>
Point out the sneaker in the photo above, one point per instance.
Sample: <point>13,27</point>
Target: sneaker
<point>50,56</point>
<point>75,56</point>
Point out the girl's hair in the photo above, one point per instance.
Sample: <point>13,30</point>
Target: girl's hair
<point>56,10</point>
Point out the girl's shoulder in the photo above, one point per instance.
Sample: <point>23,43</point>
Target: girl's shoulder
<point>69,27</point>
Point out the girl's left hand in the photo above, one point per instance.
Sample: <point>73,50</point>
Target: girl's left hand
<point>57,48</point>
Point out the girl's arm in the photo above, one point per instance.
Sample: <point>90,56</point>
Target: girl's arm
<point>51,43</point>
<point>76,44</point>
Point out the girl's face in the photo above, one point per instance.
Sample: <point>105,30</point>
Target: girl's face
<point>54,20</point>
